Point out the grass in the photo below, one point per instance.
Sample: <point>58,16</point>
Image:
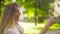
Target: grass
<point>55,27</point>
<point>30,28</point>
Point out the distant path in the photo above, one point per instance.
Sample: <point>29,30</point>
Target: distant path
<point>54,32</point>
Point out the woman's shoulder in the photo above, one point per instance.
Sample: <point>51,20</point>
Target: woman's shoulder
<point>20,28</point>
<point>12,30</point>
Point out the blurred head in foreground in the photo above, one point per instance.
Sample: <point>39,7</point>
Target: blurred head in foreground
<point>10,16</point>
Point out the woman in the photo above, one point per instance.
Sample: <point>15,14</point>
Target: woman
<point>9,24</point>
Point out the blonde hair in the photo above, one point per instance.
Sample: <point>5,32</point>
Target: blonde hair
<point>7,19</point>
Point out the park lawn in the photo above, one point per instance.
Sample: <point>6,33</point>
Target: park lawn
<point>30,28</point>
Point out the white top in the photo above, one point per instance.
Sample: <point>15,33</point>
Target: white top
<point>14,30</point>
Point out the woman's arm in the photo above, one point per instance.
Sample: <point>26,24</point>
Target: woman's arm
<point>49,22</point>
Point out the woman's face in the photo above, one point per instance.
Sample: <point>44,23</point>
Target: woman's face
<point>17,14</point>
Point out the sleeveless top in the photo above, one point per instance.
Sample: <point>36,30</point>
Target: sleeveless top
<point>16,29</point>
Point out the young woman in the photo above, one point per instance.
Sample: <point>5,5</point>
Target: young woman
<point>9,24</point>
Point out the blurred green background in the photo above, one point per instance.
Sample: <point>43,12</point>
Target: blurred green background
<point>36,12</point>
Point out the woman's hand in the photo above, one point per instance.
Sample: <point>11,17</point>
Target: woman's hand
<point>50,21</point>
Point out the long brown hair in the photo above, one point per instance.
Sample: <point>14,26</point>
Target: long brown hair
<point>7,19</point>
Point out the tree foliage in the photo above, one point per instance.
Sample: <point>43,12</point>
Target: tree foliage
<point>34,8</point>
<point>42,6</point>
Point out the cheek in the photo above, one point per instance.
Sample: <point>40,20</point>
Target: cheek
<point>17,15</point>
